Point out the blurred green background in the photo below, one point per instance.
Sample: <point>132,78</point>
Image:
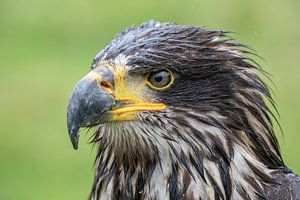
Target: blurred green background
<point>47,46</point>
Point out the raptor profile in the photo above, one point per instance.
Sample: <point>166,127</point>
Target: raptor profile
<point>179,113</point>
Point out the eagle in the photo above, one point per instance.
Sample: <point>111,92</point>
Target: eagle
<point>179,112</point>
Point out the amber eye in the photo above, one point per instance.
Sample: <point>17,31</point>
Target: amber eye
<point>160,80</point>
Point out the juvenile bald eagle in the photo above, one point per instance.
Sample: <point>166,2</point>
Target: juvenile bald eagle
<point>179,113</point>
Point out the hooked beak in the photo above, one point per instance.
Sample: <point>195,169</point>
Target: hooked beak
<point>100,97</point>
<point>89,102</point>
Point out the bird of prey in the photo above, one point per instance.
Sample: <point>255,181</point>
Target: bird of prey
<point>179,112</point>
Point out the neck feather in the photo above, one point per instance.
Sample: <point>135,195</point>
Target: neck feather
<point>198,155</point>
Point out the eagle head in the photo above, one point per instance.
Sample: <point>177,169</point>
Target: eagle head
<point>178,111</point>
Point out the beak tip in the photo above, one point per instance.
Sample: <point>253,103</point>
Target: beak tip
<point>75,145</point>
<point>74,137</point>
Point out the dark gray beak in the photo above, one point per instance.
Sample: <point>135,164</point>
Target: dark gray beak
<point>90,101</point>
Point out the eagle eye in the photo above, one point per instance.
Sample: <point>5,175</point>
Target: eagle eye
<point>160,80</point>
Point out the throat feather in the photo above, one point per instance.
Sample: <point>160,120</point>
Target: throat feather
<point>185,158</point>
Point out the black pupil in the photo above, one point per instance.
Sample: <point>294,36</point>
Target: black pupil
<point>158,78</point>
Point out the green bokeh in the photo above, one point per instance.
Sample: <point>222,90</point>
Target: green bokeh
<point>46,46</point>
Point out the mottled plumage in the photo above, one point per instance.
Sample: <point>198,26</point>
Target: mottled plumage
<point>213,140</point>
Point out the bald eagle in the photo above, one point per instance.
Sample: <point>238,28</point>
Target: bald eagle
<point>179,112</point>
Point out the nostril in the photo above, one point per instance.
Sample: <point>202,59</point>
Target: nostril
<point>106,85</point>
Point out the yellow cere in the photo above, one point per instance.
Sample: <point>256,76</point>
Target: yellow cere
<point>132,90</point>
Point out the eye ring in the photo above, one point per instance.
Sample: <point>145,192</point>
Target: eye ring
<point>160,80</point>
